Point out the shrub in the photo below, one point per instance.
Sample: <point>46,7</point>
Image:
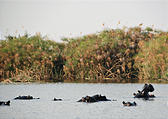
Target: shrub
<point>152,60</point>
<point>31,58</point>
<point>103,57</point>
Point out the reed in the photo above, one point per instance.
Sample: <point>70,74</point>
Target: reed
<point>152,60</point>
<point>30,58</point>
<point>125,55</point>
<point>118,55</point>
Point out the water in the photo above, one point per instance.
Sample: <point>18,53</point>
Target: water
<point>71,18</point>
<point>45,108</point>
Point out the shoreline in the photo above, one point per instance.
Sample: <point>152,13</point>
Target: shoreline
<point>6,82</point>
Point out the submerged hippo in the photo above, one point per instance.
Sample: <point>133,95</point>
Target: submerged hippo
<point>55,99</point>
<point>145,92</point>
<point>95,98</point>
<point>129,103</point>
<point>25,98</point>
<point>5,103</point>
<point>141,95</point>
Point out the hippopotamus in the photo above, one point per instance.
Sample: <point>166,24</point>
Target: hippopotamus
<point>141,95</point>
<point>25,98</point>
<point>55,99</point>
<point>129,103</point>
<point>5,103</point>
<point>145,92</point>
<point>95,98</point>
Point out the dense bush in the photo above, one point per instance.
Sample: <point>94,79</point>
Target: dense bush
<point>152,60</point>
<point>30,58</point>
<point>104,57</point>
<point>116,55</point>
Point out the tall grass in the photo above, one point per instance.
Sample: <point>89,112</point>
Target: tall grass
<point>115,55</point>
<point>152,60</point>
<point>28,58</point>
<point>103,57</point>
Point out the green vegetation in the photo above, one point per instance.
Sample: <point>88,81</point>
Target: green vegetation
<point>152,60</point>
<point>116,55</point>
<point>25,59</point>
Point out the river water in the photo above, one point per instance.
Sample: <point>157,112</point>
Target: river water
<point>45,108</point>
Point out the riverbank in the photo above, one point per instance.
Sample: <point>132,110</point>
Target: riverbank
<point>128,55</point>
<point>8,81</point>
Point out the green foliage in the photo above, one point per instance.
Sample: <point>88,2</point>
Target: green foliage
<point>103,57</point>
<point>152,60</point>
<point>116,55</point>
<point>32,57</point>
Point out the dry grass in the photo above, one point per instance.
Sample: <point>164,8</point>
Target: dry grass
<point>116,55</point>
<point>30,59</point>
